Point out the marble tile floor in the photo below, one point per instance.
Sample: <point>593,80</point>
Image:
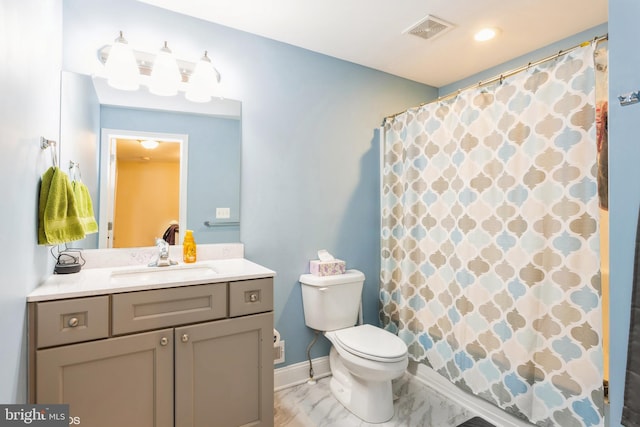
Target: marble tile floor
<point>416,406</point>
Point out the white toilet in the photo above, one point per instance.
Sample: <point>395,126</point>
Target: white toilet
<point>364,359</point>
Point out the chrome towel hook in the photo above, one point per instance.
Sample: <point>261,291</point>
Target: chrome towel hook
<point>49,143</point>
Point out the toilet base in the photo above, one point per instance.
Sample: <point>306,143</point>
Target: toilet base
<point>372,401</point>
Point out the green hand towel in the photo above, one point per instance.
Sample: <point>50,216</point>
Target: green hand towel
<point>57,211</point>
<point>45,184</point>
<point>85,207</point>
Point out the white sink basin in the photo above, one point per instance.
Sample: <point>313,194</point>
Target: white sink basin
<point>159,275</point>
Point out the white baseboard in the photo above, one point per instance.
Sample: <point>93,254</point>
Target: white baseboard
<point>298,373</point>
<point>475,404</point>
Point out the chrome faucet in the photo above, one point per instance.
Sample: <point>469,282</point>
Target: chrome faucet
<point>163,255</point>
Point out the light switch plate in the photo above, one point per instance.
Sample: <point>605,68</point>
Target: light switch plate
<point>223,213</point>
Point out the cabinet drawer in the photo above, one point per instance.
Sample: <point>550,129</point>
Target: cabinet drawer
<point>145,310</point>
<point>250,296</point>
<point>71,321</point>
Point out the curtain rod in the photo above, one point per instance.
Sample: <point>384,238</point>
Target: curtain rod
<point>502,76</point>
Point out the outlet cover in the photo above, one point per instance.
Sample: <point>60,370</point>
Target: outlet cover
<point>278,352</point>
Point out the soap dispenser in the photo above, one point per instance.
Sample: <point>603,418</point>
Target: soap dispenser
<point>189,247</point>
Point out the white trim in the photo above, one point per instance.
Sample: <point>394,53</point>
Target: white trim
<point>475,404</point>
<point>298,373</point>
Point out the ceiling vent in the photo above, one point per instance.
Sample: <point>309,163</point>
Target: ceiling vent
<point>430,27</point>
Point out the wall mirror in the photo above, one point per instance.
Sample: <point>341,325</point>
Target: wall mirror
<point>94,117</point>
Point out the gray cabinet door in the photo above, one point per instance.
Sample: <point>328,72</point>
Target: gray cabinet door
<point>123,382</point>
<point>224,373</point>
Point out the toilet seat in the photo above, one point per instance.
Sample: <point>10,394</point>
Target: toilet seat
<point>371,343</point>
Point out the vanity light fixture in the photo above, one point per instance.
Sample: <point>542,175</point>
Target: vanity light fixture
<point>164,74</point>
<point>121,67</point>
<point>203,81</point>
<point>485,34</point>
<point>149,144</point>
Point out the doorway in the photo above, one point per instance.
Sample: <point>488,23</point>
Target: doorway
<point>143,191</point>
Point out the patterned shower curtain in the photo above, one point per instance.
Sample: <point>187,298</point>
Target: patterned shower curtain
<point>490,245</point>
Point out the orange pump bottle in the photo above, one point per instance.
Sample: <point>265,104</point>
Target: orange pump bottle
<point>189,247</point>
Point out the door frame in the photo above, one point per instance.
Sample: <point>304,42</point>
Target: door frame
<point>107,177</point>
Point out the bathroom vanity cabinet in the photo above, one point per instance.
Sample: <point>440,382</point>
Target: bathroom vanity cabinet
<point>199,355</point>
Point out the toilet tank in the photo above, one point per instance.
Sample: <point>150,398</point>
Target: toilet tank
<point>331,302</point>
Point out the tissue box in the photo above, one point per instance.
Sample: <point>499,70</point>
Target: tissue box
<point>327,268</point>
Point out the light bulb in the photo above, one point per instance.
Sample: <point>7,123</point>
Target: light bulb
<point>203,81</point>
<point>485,34</point>
<point>165,75</point>
<point>121,67</point>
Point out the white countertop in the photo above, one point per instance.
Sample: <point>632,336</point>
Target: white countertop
<point>109,280</point>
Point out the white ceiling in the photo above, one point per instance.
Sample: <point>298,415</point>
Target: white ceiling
<point>372,32</point>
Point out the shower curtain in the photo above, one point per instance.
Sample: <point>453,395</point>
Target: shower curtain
<point>490,263</point>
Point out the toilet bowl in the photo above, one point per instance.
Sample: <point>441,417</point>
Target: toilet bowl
<point>363,359</point>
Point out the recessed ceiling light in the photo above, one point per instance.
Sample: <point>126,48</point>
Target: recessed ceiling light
<point>149,144</point>
<point>485,34</point>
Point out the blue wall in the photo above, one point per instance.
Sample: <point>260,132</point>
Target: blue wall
<point>213,179</point>
<point>310,154</point>
<point>624,176</point>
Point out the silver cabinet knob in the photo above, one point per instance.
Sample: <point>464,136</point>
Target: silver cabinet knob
<point>73,322</point>
<point>253,297</point>
<point>164,341</point>
<point>185,338</point>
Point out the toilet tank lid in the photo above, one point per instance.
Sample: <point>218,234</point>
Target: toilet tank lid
<point>337,279</point>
